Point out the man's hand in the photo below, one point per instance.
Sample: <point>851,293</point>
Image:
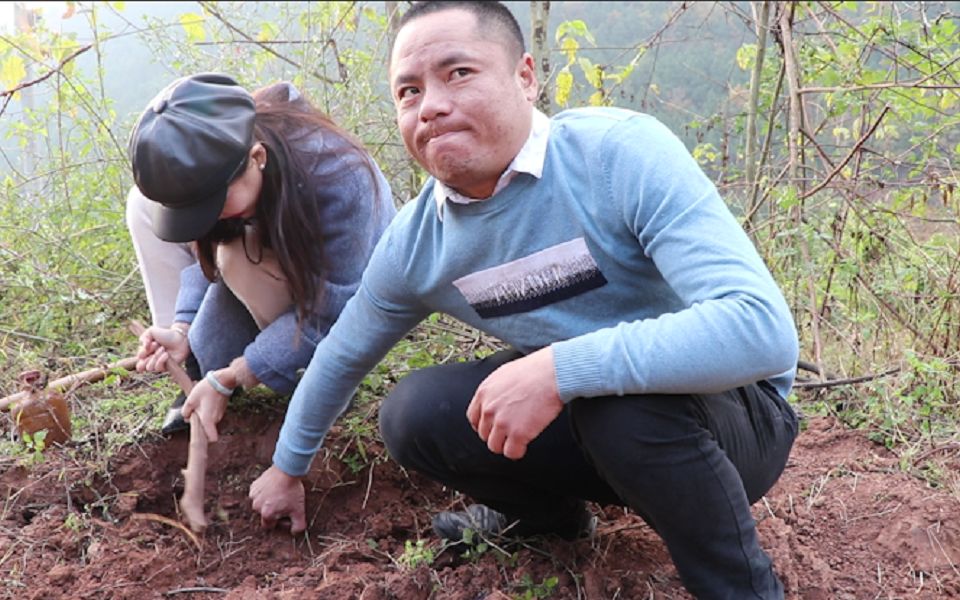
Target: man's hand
<point>276,495</point>
<point>515,403</point>
<point>209,404</point>
<point>160,344</point>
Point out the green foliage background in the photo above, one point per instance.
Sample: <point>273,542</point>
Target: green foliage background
<point>858,218</point>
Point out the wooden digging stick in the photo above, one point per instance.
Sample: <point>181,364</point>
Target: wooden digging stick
<point>194,476</point>
<point>75,380</point>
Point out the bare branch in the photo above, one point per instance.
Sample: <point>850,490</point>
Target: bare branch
<point>853,151</point>
<point>878,86</point>
<point>48,74</point>
<point>814,385</point>
<point>207,6</point>
<point>8,94</point>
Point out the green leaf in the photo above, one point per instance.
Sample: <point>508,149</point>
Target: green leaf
<point>12,71</point>
<point>841,133</point>
<point>705,153</point>
<point>564,85</point>
<point>622,76</point>
<point>593,72</point>
<point>193,26</point>
<point>575,28</point>
<point>349,17</point>
<point>746,56</point>
<point>789,199</point>
<point>268,31</point>
<point>948,100</point>
<point>569,46</point>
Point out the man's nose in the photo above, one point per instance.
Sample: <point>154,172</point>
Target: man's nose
<point>435,102</point>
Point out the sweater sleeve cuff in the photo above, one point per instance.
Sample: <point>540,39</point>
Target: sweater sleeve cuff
<point>577,369</point>
<point>261,367</point>
<point>193,288</point>
<point>184,317</point>
<point>290,462</point>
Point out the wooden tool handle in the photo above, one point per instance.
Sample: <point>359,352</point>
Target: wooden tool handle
<point>194,476</point>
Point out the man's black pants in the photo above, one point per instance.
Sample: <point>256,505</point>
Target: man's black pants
<point>689,465</point>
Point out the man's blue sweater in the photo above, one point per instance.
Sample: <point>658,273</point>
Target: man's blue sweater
<point>622,256</point>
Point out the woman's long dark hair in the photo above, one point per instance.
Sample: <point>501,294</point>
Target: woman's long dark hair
<point>287,215</point>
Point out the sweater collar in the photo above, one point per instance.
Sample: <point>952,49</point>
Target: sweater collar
<point>529,160</point>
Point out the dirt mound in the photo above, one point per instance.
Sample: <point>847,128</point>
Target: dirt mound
<point>844,522</point>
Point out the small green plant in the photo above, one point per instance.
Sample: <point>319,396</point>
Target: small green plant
<point>360,430</point>
<point>35,444</point>
<point>73,522</point>
<point>535,591</point>
<point>476,545</point>
<point>416,554</point>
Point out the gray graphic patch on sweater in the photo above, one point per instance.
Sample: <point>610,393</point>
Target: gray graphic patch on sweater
<point>545,277</point>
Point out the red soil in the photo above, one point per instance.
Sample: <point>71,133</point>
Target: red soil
<point>844,522</point>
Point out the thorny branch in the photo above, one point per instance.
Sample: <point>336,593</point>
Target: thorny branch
<point>856,147</point>
<point>210,8</point>
<point>8,94</point>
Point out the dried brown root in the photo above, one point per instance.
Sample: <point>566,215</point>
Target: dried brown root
<point>168,521</point>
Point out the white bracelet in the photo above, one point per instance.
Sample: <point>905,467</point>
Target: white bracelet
<point>179,329</point>
<point>219,387</point>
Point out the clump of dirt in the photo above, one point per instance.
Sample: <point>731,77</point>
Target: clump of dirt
<point>844,522</point>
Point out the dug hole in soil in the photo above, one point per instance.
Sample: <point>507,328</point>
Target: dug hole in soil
<point>844,522</point>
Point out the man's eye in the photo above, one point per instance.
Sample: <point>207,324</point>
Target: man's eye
<point>406,92</point>
<point>461,72</point>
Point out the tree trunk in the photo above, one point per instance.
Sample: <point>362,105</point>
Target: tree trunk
<point>539,25</point>
<point>750,159</point>
<point>795,113</point>
<point>797,178</point>
<point>393,21</point>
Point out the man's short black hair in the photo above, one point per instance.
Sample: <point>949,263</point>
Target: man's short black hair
<point>490,16</point>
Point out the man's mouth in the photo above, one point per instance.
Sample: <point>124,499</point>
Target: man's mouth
<point>437,134</point>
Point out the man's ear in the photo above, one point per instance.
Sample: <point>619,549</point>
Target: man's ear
<point>527,77</point>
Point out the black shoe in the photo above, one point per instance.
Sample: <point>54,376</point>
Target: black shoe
<point>192,367</point>
<point>174,421</point>
<point>484,521</point>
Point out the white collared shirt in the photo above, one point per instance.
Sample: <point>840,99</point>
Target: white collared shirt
<point>529,160</point>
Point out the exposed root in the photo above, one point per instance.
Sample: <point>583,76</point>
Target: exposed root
<point>171,523</point>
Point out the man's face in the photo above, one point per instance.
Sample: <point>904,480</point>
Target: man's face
<point>464,104</point>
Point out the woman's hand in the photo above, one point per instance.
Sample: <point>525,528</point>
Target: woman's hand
<point>209,404</point>
<point>160,344</point>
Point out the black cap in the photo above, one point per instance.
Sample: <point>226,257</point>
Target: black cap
<point>187,146</point>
